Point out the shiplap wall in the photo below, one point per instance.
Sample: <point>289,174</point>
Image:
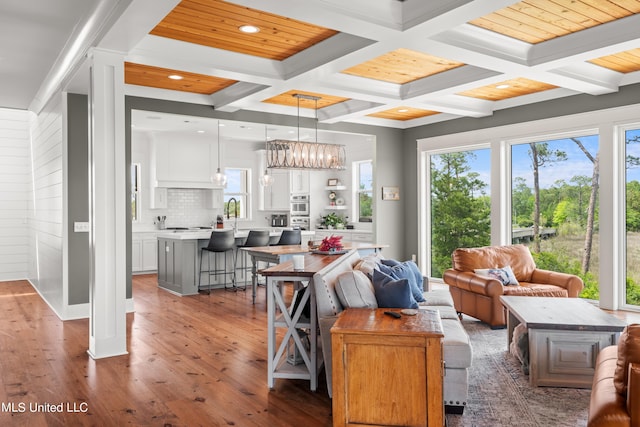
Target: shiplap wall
<point>47,215</point>
<point>15,191</point>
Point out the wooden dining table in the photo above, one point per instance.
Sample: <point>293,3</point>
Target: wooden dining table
<point>277,254</point>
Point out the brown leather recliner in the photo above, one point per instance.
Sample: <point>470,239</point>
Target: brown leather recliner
<point>479,296</point>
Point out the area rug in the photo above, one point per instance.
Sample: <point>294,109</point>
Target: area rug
<point>500,393</point>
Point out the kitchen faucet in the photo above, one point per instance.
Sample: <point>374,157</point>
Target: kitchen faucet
<point>235,208</point>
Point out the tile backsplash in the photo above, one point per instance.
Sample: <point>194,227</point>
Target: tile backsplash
<point>185,208</point>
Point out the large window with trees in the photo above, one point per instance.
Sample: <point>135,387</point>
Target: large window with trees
<point>460,204</point>
<point>632,214</point>
<point>554,203</point>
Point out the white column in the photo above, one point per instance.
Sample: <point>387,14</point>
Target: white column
<point>107,212</point>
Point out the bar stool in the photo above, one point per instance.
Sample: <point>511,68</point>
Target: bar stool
<point>290,237</point>
<point>254,238</point>
<point>219,242</point>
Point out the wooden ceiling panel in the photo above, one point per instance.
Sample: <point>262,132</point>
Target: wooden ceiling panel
<point>403,113</point>
<point>511,89</point>
<point>289,100</point>
<point>216,23</point>
<point>402,66</point>
<point>144,75</point>
<point>535,21</point>
<point>623,62</point>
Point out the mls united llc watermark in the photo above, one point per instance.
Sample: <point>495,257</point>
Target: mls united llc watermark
<point>21,407</point>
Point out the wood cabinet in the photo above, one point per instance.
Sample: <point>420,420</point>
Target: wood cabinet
<point>387,371</point>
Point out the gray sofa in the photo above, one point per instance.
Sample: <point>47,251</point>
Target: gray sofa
<point>457,348</point>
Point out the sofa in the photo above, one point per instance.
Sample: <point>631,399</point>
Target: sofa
<point>615,397</point>
<point>477,280</point>
<point>456,346</point>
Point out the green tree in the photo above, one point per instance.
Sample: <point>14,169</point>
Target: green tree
<point>460,211</point>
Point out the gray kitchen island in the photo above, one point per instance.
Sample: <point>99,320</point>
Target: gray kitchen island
<point>179,258</point>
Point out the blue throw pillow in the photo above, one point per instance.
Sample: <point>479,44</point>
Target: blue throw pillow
<point>392,293</point>
<point>390,262</point>
<point>405,271</point>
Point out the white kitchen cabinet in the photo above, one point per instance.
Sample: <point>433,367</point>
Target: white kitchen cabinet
<point>158,199</point>
<point>183,164</point>
<point>277,195</point>
<point>299,182</point>
<point>144,252</point>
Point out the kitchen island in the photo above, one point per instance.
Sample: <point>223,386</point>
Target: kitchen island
<point>179,257</point>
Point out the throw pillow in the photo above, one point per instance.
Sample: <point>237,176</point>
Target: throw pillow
<point>390,262</point>
<point>405,271</point>
<point>392,293</point>
<point>367,264</point>
<point>628,352</point>
<point>504,275</point>
<point>355,290</point>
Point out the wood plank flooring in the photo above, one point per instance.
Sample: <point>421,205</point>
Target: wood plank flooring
<point>193,361</point>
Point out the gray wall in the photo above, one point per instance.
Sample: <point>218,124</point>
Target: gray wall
<point>78,197</point>
<point>627,95</point>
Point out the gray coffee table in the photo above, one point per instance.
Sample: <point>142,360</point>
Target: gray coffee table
<point>565,337</point>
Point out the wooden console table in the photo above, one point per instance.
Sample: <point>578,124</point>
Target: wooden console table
<point>279,317</point>
<point>387,371</point>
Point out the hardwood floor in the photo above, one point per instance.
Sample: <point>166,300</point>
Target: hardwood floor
<point>193,361</point>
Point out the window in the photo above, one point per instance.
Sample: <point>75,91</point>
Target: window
<point>135,192</point>
<point>363,178</point>
<point>238,193</point>
<point>632,210</point>
<point>460,204</point>
<point>554,205</point>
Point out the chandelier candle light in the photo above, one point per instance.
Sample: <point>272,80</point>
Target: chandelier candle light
<point>285,154</point>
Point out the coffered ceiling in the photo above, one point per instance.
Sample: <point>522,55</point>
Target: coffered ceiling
<point>385,62</point>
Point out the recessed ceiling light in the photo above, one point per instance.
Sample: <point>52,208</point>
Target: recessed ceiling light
<point>175,77</point>
<point>249,29</point>
<point>200,131</point>
<point>402,110</point>
<point>502,86</point>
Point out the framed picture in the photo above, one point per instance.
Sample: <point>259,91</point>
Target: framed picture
<point>331,182</point>
<point>390,193</point>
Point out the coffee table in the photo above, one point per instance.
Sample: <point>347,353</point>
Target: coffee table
<point>565,337</point>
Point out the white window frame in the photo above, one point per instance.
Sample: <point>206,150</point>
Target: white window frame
<point>136,192</point>
<point>246,196</point>
<point>357,191</point>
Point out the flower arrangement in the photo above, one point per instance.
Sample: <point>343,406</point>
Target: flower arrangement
<point>331,244</point>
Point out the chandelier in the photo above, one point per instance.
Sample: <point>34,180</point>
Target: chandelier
<point>286,154</point>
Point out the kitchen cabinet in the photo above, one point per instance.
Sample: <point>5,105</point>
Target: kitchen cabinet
<point>347,235</point>
<point>158,199</point>
<point>387,371</point>
<point>276,197</point>
<point>144,252</point>
<point>177,265</point>
<point>187,164</point>
<point>299,182</point>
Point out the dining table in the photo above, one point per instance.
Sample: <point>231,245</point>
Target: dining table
<point>276,254</point>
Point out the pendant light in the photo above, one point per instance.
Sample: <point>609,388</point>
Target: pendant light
<point>266,180</point>
<point>220,179</point>
<point>285,154</point>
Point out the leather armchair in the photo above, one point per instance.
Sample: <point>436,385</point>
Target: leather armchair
<point>479,296</point>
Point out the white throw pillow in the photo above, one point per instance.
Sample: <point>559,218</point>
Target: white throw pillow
<point>355,290</point>
<point>505,274</point>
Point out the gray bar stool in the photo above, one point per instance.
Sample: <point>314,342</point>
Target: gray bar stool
<point>290,237</point>
<point>254,238</point>
<point>219,242</point>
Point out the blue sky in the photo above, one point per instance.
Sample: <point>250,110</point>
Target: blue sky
<point>576,163</point>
